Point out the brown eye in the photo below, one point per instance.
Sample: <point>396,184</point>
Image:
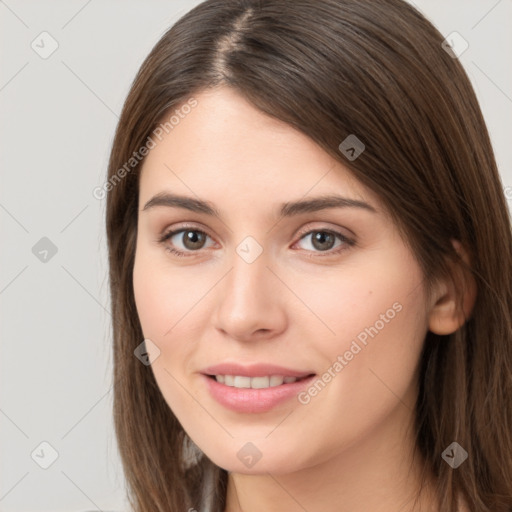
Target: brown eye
<point>184,242</point>
<point>193,239</point>
<point>322,240</point>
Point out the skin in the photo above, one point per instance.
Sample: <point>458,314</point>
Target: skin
<point>350,448</point>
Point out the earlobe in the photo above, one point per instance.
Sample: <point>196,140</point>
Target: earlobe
<point>455,296</point>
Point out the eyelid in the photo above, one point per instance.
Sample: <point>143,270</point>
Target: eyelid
<point>323,226</point>
<point>182,227</point>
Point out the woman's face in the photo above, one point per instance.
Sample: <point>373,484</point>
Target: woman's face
<point>270,276</point>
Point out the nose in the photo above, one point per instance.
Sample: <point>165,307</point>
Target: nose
<point>250,301</point>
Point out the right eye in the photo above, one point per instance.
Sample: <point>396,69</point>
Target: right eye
<point>191,240</point>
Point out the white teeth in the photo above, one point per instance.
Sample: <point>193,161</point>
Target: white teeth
<point>260,382</point>
<point>242,382</point>
<point>239,381</point>
<point>276,380</point>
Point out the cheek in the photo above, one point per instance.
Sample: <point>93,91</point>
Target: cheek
<point>166,319</point>
<point>164,297</point>
<point>150,300</point>
<point>377,315</point>
<point>373,317</point>
<point>374,294</point>
<point>172,315</point>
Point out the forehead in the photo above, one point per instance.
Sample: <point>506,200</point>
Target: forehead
<point>224,147</point>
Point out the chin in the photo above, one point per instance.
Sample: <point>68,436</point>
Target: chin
<point>249,460</point>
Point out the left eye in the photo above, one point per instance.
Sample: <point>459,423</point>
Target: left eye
<point>324,240</point>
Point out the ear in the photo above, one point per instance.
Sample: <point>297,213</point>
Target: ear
<point>454,296</point>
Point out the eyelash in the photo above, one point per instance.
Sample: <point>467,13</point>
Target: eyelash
<point>182,254</point>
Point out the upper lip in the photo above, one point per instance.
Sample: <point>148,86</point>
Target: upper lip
<point>254,370</point>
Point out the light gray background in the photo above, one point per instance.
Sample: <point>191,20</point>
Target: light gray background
<point>58,119</point>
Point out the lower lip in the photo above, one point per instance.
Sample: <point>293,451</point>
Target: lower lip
<point>250,400</point>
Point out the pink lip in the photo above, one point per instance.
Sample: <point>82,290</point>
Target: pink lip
<point>253,370</point>
<point>248,400</point>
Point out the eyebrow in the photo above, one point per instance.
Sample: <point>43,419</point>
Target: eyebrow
<point>287,209</point>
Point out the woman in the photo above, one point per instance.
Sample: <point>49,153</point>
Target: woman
<point>310,264</point>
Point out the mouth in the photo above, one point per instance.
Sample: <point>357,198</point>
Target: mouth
<point>258,382</point>
<point>256,388</point>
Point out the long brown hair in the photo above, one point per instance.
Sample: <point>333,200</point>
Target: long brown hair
<point>332,68</point>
